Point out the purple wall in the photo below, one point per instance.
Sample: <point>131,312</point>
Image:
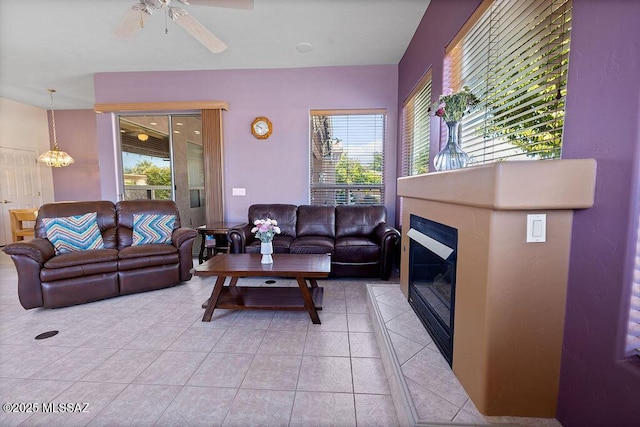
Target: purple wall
<point>598,386</point>
<point>275,170</point>
<point>76,134</point>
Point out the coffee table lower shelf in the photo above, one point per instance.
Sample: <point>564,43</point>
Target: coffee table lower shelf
<point>267,298</point>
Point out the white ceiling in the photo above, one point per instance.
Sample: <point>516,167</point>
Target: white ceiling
<point>60,44</point>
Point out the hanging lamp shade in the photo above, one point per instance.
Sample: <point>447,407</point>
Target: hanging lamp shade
<point>55,157</point>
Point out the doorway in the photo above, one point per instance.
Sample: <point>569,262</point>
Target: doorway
<point>162,158</point>
<point>20,186</point>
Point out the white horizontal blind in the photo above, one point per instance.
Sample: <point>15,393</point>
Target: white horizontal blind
<point>347,157</point>
<point>515,59</point>
<point>633,331</point>
<point>416,130</point>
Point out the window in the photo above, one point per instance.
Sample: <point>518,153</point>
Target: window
<point>416,129</point>
<point>514,57</point>
<point>633,330</point>
<point>347,157</point>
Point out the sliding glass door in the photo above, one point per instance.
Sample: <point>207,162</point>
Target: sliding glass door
<point>162,158</point>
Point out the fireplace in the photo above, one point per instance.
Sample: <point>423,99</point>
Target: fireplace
<point>509,293</point>
<point>432,279</point>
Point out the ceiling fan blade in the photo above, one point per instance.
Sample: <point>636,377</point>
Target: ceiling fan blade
<point>197,30</point>
<point>132,22</point>
<point>231,4</point>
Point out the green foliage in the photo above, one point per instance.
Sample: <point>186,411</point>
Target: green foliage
<point>351,171</point>
<point>156,175</point>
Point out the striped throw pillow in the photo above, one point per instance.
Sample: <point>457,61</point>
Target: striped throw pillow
<point>74,233</point>
<point>152,229</point>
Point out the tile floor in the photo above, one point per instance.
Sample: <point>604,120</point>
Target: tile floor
<point>148,359</point>
<point>424,388</point>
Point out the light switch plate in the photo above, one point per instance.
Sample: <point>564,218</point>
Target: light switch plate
<point>536,228</point>
<point>238,191</point>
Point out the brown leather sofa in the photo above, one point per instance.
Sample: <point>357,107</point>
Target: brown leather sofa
<point>358,238</point>
<point>49,280</point>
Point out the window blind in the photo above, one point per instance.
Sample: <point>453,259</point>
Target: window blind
<point>416,129</point>
<point>633,330</point>
<point>515,59</point>
<point>347,157</point>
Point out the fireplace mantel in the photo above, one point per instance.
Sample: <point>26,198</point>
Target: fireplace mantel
<point>526,185</point>
<point>510,294</point>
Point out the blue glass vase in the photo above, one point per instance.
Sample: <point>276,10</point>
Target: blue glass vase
<point>451,156</point>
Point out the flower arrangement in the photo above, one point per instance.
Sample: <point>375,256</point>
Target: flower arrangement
<point>265,229</point>
<point>453,107</point>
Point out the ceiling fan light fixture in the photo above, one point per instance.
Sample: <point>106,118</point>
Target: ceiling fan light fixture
<point>55,157</point>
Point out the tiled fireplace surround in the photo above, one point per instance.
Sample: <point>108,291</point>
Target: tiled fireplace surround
<point>510,294</point>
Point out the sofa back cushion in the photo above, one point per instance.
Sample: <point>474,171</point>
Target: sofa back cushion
<point>316,221</point>
<point>358,220</point>
<point>105,215</point>
<point>284,214</point>
<point>126,209</point>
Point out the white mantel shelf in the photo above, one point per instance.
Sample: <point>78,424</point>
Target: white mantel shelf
<point>510,294</point>
<point>510,185</point>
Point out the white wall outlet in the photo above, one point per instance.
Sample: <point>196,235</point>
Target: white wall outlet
<point>536,228</point>
<point>238,191</point>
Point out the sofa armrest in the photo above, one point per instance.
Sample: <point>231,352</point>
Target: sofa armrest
<point>39,250</point>
<point>181,235</point>
<point>182,239</point>
<point>389,238</point>
<point>239,237</point>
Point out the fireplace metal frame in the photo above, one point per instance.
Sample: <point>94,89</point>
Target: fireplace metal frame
<point>438,235</point>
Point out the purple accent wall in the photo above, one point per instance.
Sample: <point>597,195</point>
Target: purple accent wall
<point>598,385</point>
<point>76,134</point>
<point>275,170</point>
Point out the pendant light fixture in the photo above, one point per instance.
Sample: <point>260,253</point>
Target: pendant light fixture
<point>54,157</point>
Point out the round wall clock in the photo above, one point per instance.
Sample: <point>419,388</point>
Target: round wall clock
<point>261,128</point>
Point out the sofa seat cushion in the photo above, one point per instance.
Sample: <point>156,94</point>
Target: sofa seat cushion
<point>357,250</point>
<point>79,263</point>
<point>143,256</point>
<point>312,245</point>
<point>281,245</point>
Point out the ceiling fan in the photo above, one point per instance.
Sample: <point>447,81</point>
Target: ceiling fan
<point>135,18</point>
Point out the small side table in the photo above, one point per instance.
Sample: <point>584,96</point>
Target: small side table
<point>214,239</point>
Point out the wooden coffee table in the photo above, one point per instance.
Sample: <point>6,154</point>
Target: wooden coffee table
<point>303,267</point>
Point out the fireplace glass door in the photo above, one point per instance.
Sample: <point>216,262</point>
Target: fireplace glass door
<point>432,278</point>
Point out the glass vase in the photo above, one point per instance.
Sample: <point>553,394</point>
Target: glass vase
<point>451,156</point>
<point>266,249</point>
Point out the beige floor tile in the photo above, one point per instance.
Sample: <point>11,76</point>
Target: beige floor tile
<point>359,322</point>
<point>331,321</point>
<point>198,406</point>
<point>330,374</point>
<point>273,372</point>
<point>29,391</point>
<point>283,342</point>
<point>260,408</point>
<point>123,367</point>
<point>363,344</point>
<point>327,344</point>
<point>32,360</point>
<point>375,411</point>
<point>197,339</point>
<point>96,396</point>
<point>76,364</point>
<point>171,368</point>
<point>137,405</point>
<point>239,341</point>
<point>221,370</point>
<point>323,409</point>
<point>369,376</point>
